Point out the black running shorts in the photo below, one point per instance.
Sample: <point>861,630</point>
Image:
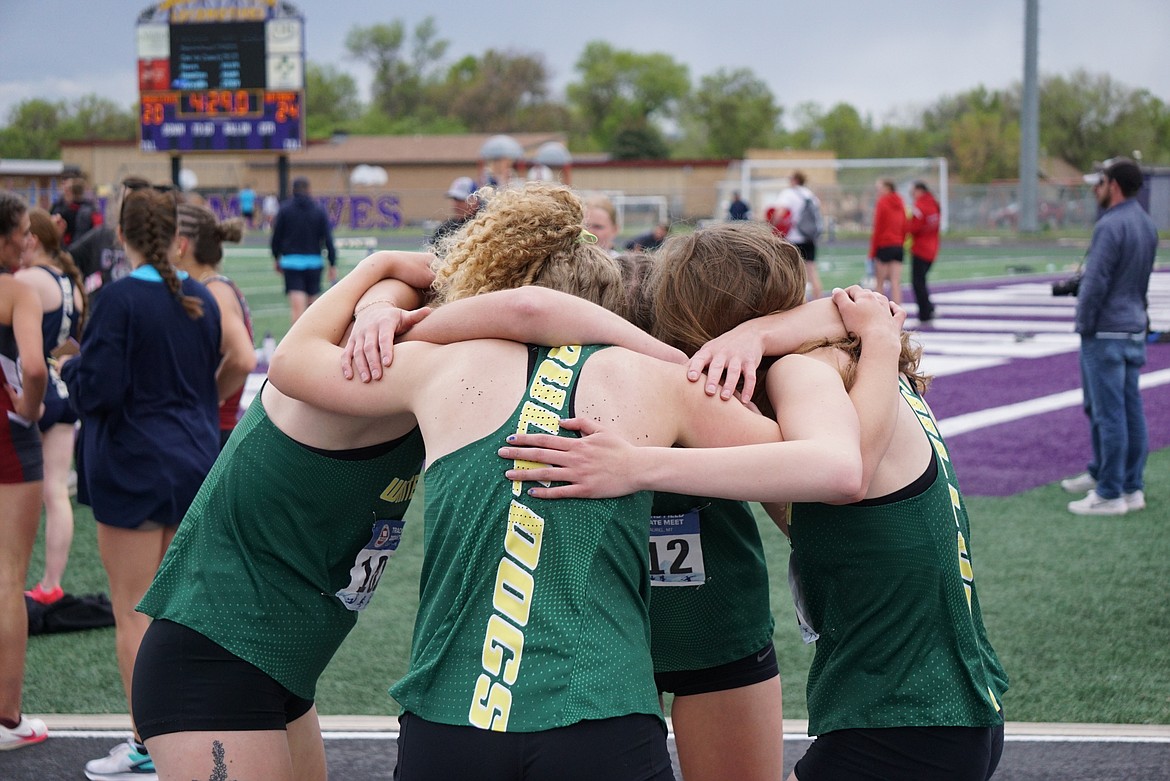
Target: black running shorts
<point>624,748</point>
<point>919,753</point>
<point>753,668</point>
<point>184,682</point>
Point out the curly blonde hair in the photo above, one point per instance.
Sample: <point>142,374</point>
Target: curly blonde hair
<point>527,236</point>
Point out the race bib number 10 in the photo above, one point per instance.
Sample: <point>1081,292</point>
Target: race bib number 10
<point>676,550</point>
<point>370,564</point>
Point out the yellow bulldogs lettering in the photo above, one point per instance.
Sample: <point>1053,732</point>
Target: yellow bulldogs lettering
<point>929,424</point>
<point>503,644</point>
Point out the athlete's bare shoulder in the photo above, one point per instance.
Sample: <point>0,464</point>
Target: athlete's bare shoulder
<point>634,393</point>
<point>316,427</point>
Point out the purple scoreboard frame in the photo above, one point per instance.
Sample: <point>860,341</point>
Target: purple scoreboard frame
<point>221,76</point>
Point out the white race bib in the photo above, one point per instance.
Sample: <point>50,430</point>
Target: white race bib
<point>370,563</point>
<point>676,550</point>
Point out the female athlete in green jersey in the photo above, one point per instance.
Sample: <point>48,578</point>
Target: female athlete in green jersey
<point>463,393</point>
<point>887,581</point>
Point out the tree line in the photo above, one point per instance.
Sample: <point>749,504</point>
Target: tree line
<point>635,105</point>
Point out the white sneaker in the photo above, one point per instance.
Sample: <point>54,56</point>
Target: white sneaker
<point>1093,504</point>
<point>124,763</point>
<point>1079,484</point>
<point>1135,500</point>
<point>26,733</point>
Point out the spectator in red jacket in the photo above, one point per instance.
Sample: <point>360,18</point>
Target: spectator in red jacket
<point>889,234</point>
<point>923,229</point>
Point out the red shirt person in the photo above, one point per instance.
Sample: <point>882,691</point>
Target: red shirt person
<point>885,243</point>
<point>923,228</point>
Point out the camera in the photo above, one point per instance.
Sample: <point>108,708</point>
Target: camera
<point>1066,287</point>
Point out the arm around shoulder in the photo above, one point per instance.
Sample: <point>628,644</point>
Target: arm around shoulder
<point>537,315</point>
<point>306,363</point>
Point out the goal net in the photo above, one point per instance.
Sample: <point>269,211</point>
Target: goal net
<point>845,187</point>
<point>636,214</point>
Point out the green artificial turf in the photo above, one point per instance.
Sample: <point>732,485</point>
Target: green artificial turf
<point>1076,608</point>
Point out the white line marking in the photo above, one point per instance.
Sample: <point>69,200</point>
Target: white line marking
<point>962,424</point>
<point>393,735</point>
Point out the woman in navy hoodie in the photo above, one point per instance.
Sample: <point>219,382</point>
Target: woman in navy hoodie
<point>144,388</point>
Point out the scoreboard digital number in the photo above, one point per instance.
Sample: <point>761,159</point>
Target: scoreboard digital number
<point>221,77</point>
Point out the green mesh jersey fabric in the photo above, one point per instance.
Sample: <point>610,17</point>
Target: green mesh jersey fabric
<point>891,591</point>
<point>282,546</point>
<point>709,601</point>
<point>532,614</point>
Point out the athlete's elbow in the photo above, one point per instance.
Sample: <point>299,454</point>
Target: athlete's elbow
<point>244,361</point>
<point>280,367</point>
<point>531,304</point>
<point>845,479</point>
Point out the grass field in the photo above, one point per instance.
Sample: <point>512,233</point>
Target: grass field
<point>1076,607</point>
<point>840,264</point>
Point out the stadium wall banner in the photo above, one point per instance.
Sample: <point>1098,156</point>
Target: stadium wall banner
<point>355,212</point>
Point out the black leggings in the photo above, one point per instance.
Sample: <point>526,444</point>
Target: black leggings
<point>624,748</point>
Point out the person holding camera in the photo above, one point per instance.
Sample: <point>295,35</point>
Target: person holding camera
<point>1112,321</point>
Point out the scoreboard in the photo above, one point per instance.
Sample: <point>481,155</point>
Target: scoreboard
<point>218,76</point>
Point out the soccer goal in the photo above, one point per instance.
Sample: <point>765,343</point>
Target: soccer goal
<point>845,187</point>
<point>637,213</point>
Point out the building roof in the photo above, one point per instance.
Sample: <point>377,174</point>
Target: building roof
<point>417,149</point>
<point>18,167</point>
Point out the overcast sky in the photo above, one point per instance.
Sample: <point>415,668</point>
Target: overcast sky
<point>888,59</point>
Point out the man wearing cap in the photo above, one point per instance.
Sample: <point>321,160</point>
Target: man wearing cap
<point>464,205</point>
<point>1112,321</point>
<point>300,232</point>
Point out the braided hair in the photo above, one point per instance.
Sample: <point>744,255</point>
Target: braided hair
<point>149,224</point>
<point>46,233</point>
<point>207,233</point>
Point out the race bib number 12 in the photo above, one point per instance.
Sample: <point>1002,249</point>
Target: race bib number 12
<point>676,550</point>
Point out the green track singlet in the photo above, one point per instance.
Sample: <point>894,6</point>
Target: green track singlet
<point>709,604</point>
<point>283,544</point>
<point>890,589</point>
<point>533,613</point>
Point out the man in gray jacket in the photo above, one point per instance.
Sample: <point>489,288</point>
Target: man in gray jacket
<point>1112,322</point>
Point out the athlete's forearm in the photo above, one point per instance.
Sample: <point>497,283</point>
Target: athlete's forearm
<point>383,290</point>
<point>318,332</point>
<point>536,315</point>
<point>785,332</point>
<point>875,397</point>
<point>807,470</point>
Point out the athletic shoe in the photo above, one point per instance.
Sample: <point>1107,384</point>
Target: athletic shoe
<point>26,733</point>
<point>39,594</point>
<point>1093,504</point>
<point>1079,484</point>
<point>1135,501</point>
<point>124,763</point>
